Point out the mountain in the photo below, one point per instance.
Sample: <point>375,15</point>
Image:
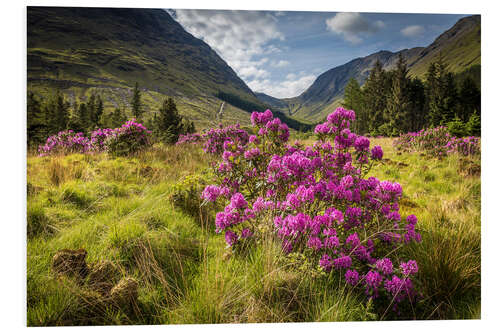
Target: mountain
<point>459,46</point>
<point>271,101</point>
<point>107,50</point>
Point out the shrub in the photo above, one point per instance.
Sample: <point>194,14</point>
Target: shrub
<point>187,196</point>
<point>437,142</point>
<point>457,128</point>
<point>317,202</point>
<point>474,125</point>
<point>213,140</point>
<point>65,142</point>
<point>98,139</point>
<point>468,146</point>
<point>128,139</point>
<point>125,140</point>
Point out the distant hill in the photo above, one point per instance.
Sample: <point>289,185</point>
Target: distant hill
<point>107,50</point>
<point>460,47</point>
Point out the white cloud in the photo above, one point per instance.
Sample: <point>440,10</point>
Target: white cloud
<point>281,63</point>
<point>239,37</point>
<point>293,86</point>
<point>352,26</point>
<point>412,30</point>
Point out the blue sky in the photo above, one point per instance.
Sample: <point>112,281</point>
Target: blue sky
<point>281,53</point>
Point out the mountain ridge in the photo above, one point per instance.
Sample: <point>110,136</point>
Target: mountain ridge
<point>83,50</point>
<point>459,45</point>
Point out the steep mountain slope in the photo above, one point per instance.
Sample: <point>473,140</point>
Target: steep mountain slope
<point>107,50</point>
<point>460,47</point>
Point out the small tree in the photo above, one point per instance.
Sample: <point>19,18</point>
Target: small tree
<point>469,98</point>
<point>474,125</point>
<point>36,126</point>
<point>397,114</point>
<point>169,122</point>
<point>353,100</point>
<point>84,118</point>
<point>136,102</point>
<point>117,118</point>
<point>99,109</point>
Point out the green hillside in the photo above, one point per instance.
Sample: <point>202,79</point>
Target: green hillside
<point>107,50</point>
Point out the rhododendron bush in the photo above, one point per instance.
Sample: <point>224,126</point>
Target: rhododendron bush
<point>437,142</point>
<point>315,200</point>
<point>129,138</point>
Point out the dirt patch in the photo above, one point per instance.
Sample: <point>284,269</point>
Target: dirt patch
<point>469,168</point>
<point>71,263</point>
<point>124,293</point>
<point>404,201</point>
<point>392,162</point>
<point>103,276</point>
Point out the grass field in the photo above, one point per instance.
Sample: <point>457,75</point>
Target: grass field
<point>126,213</point>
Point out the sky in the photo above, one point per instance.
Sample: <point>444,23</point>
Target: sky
<point>281,53</point>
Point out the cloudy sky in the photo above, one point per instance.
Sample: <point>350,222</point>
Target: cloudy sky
<point>281,53</point>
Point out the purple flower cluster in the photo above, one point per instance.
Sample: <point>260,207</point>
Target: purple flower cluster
<point>437,142</point>
<point>468,146</point>
<point>66,142</point>
<point>215,138</point>
<point>315,198</point>
<point>98,138</point>
<point>192,138</point>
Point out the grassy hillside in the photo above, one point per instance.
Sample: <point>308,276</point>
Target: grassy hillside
<point>107,50</point>
<point>460,48</point>
<point>125,213</point>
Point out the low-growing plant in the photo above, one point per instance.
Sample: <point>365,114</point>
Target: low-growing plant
<point>437,142</point>
<point>187,196</point>
<point>65,142</point>
<point>128,139</point>
<point>317,202</point>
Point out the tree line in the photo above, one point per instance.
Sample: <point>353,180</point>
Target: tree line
<point>48,115</point>
<point>391,102</point>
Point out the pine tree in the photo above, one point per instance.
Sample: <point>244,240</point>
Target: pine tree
<point>74,122</point>
<point>375,93</point>
<point>469,99</point>
<point>97,114</point>
<point>117,118</point>
<point>136,103</point>
<point>430,91</point>
<point>169,122</point>
<point>441,93</point>
<point>187,126</point>
<point>84,118</point>
<point>36,126</point>
<point>353,100</point>
<point>57,113</point>
<point>474,125</point>
<point>418,112</point>
<point>91,110</point>
<point>397,115</point>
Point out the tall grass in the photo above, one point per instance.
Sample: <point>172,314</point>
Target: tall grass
<point>122,210</point>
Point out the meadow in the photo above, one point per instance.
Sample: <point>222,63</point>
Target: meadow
<point>141,218</point>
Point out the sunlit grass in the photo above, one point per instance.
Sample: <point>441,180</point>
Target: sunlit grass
<point>121,210</point>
